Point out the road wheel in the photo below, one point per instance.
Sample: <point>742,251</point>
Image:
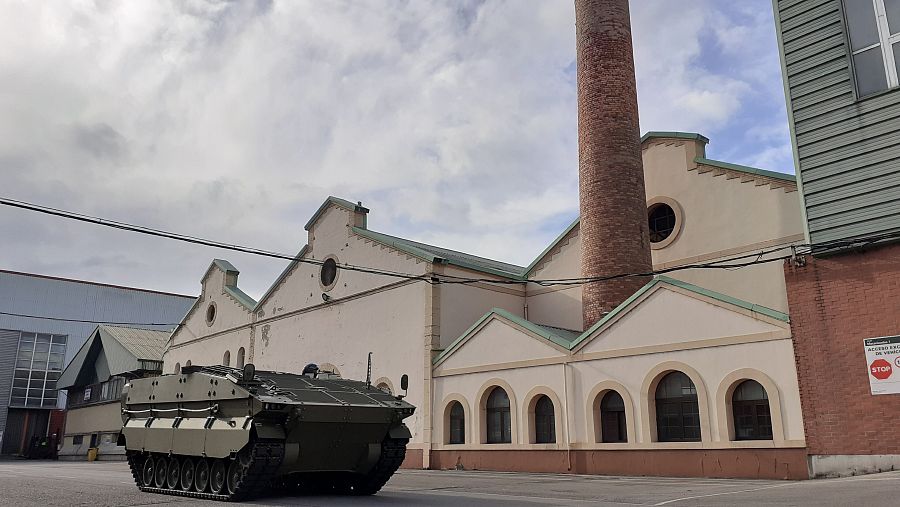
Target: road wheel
<point>235,475</point>
<point>148,471</point>
<point>160,476</point>
<point>217,476</point>
<point>201,475</point>
<point>187,474</point>
<point>173,473</point>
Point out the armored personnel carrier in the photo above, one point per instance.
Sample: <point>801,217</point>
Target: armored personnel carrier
<point>230,434</point>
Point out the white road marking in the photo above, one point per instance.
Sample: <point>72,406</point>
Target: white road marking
<point>726,493</point>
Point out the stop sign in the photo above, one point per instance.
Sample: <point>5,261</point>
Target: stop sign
<point>881,369</point>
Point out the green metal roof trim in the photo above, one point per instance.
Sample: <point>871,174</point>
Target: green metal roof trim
<point>674,135</point>
<point>552,245</point>
<point>433,253</point>
<point>337,201</point>
<point>225,266</point>
<point>746,169</point>
<point>290,267</point>
<point>764,310</point>
<point>241,297</point>
<point>551,334</point>
<point>571,339</point>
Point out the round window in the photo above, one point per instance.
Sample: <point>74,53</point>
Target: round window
<point>661,218</point>
<point>210,314</point>
<point>328,273</point>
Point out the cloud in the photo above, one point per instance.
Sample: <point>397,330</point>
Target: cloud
<point>455,122</point>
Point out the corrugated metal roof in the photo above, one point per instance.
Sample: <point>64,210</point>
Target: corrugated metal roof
<point>113,350</point>
<point>141,343</point>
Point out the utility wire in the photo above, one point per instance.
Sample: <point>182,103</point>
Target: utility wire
<point>111,323</point>
<point>436,279</point>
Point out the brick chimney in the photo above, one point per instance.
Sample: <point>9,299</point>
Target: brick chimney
<point>614,234</point>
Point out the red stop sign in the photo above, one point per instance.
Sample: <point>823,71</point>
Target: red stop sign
<point>881,369</point>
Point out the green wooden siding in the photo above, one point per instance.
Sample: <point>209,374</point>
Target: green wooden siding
<point>847,149</point>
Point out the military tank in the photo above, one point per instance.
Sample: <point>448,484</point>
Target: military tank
<point>230,434</point>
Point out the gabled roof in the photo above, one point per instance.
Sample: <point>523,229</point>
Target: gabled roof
<point>337,201</point>
<point>433,253</point>
<point>119,349</point>
<point>570,340</point>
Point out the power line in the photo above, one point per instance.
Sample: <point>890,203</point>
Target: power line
<point>435,278</point>
<point>83,321</point>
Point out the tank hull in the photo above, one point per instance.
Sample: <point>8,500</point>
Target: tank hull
<point>209,432</point>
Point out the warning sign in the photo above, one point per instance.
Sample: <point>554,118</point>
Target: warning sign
<point>883,360</point>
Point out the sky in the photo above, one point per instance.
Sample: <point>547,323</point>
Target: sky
<point>453,121</point>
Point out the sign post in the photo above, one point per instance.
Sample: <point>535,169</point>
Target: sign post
<point>883,361</point>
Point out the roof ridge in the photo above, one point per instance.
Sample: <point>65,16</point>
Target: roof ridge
<point>419,243</point>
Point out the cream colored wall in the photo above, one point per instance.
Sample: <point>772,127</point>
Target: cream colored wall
<point>209,350</point>
<point>717,345</point>
<point>229,315</point>
<point>665,316</point>
<point>384,315</point>
<point>463,305</point>
<point>94,418</point>
<point>390,324</point>
<point>331,236</point>
<point>499,342</point>
<point>558,306</point>
<point>722,218</point>
<point>555,306</point>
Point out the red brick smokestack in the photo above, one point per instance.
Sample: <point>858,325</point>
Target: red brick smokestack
<point>614,234</point>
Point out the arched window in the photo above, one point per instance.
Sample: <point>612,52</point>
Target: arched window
<point>177,368</point>
<point>384,387</point>
<point>499,428</point>
<point>544,421</point>
<point>457,424</point>
<point>750,407</point>
<point>612,418</point>
<point>188,363</point>
<point>226,359</point>
<point>240,358</point>
<point>677,410</point>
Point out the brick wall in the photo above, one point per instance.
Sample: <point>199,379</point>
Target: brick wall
<point>835,303</point>
<point>615,238</point>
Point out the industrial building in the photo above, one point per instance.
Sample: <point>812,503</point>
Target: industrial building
<point>44,321</point>
<point>781,369</point>
<point>94,380</point>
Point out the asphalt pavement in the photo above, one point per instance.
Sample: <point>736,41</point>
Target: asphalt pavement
<point>101,484</point>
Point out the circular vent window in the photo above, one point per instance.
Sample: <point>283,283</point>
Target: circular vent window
<point>328,273</point>
<point>664,218</point>
<point>210,314</point>
<point>662,222</point>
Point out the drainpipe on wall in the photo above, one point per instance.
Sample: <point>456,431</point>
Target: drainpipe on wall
<point>526,308</point>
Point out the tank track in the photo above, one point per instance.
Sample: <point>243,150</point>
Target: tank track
<point>262,463</point>
<point>393,451</point>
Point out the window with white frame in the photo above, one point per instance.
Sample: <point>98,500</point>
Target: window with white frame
<point>874,30</point>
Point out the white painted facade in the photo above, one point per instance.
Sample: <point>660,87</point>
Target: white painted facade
<point>723,212</point>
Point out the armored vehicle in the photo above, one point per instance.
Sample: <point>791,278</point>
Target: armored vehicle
<point>229,434</point>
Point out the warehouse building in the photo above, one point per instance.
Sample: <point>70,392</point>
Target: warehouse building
<point>94,380</point>
<point>44,321</point>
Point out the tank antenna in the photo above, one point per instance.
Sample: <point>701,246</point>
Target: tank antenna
<point>369,372</point>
